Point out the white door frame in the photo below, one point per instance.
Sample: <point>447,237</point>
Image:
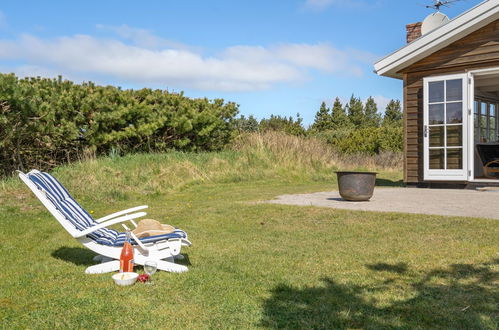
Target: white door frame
<point>471,124</point>
<point>445,174</point>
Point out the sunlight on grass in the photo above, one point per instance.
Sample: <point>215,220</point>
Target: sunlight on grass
<point>252,265</point>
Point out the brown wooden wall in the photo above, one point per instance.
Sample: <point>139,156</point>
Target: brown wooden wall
<point>479,49</point>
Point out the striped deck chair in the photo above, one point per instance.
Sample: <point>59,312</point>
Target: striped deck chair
<point>96,235</point>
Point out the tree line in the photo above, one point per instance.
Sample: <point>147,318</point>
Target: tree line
<point>356,114</point>
<point>355,127</point>
<point>45,122</point>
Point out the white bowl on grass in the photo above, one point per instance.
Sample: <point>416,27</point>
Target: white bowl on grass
<point>125,279</point>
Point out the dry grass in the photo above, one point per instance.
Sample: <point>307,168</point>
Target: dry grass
<point>313,152</point>
<point>268,157</point>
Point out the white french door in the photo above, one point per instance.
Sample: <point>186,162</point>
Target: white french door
<point>445,127</point>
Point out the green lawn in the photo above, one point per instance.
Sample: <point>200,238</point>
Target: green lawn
<point>252,265</point>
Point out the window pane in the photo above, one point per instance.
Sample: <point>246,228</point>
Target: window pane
<point>437,159</point>
<point>454,113</point>
<point>492,109</point>
<point>475,107</point>
<point>436,91</point>
<point>483,122</point>
<point>454,159</point>
<point>492,123</point>
<point>437,136</point>
<point>436,114</point>
<point>475,121</point>
<point>483,135</point>
<point>454,136</point>
<point>483,107</point>
<point>455,90</point>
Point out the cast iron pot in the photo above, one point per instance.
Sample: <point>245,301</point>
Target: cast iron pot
<point>356,186</point>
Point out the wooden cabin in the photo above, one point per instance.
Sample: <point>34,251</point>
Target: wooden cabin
<point>450,73</point>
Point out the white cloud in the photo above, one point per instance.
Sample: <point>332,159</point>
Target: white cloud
<point>320,56</point>
<point>381,102</point>
<point>142,37</point>
<point>154,60</point>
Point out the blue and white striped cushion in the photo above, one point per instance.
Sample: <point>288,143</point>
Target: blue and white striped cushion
<point>50,184</point>
<point>81,219</point>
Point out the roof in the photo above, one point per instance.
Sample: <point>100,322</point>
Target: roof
<point>459,27</point>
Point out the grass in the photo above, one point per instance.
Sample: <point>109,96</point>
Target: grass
<point>252,265</point>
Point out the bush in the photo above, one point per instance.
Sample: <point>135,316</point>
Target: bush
<point>286,125</point>
<point>369,140</point>
<point>44,122</point>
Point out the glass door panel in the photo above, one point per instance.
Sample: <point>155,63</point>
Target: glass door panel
<point>454,136</point>
<point>437,159</point>
<point>445,123</point>
<point>486,126</point>
<point>455,159</point>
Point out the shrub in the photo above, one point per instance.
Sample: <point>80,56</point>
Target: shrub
<point>369,140</point>
<point>45,122</point>
<point>283,124</point>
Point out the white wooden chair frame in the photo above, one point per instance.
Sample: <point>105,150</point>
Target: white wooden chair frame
<point>162,252</point>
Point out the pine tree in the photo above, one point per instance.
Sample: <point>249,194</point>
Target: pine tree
<point>393,113</point>
<point>339,117</point>
<point>323,120</point>
<point>371,116</point>
<point>355,111</point>
<point>244,124</point>
<point>283,124</point>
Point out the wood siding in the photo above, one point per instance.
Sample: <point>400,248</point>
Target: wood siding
<point>478,50</point>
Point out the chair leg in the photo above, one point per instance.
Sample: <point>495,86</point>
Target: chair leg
<point>101,258</point>
<point>105,267</point>
<point>166,264</point>
<point>171,267</point>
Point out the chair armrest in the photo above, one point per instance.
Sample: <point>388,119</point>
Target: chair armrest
<point>120,213</point>
<point>139,242</point>
<point>109,223</point>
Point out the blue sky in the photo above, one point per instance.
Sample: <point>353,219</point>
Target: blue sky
<point>269,56</point>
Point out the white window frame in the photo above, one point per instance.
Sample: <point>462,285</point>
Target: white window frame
<point>471,137</point>
<point>446,174</point>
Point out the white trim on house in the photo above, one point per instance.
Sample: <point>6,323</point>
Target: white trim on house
<point>446,174</point>
<point>466,23</point>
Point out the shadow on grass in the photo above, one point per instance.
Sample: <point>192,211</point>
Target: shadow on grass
<point>77,255</point>
<point>462,296</point>
<point>84,257</point>
<point>399,268</point>
<point>389,183</point>
<point>186,261</point>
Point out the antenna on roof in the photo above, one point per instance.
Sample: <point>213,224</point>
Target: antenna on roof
<point>438,3</point>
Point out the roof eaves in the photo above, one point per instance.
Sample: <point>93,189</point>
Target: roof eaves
<point>440,37</point>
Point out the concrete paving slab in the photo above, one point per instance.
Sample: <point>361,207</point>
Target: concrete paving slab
<point>449,202</point>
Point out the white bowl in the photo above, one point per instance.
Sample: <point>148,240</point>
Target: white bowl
<point>125,279</point>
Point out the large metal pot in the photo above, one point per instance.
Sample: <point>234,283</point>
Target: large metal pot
<point>356,186</point>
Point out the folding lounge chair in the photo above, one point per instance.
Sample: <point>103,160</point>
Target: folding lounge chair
<point>95,234</point>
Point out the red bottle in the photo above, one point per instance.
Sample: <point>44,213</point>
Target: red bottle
<point>126,257</point>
